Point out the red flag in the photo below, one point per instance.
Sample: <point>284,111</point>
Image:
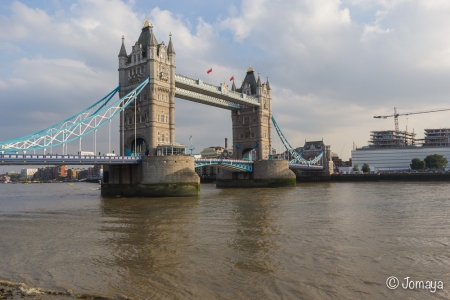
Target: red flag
<point>232,78</point>
<point>209,71</point>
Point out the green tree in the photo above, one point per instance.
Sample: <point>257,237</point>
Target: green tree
<point>435,161</point>
<point>355,167</point>
<point>365,168</point>
<point>417,164</point>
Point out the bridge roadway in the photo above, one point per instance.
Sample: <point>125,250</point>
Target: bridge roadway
<point>68,159</point>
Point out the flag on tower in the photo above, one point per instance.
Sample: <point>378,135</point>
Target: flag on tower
<point>209,71</point>
<point>232,78</point>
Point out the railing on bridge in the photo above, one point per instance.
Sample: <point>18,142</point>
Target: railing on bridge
<point>226,94</point>
<point>201,98</point>
<point>304,167</point>
<point>230,164</point>
<point>68,159</point>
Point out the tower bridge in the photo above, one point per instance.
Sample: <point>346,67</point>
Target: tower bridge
<point>148,86</point>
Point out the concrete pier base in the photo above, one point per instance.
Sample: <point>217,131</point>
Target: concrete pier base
<point>157,176</point>
<point>266,173</point>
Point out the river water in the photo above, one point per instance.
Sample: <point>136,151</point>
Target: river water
<point>314,241</point>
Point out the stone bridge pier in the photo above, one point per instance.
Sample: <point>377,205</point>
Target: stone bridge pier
<point>157,176</point>
<point>266,173</point>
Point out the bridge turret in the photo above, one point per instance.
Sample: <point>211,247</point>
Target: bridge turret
<point>152,44</point>
<point>170,49</point>
<point>233,87</point>
<point>258,86</point>
<point>123,57</point>
<point>171,56</point>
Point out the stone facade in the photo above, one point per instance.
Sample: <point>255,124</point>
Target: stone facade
<point>157,176</point>
<point>266,173</point>
<point>153,114</point>
<point>252,126</point>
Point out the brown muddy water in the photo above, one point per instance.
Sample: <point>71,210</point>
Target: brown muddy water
<point>314,241</point>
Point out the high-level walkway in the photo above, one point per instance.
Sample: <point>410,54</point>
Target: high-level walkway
<point>219,96</point>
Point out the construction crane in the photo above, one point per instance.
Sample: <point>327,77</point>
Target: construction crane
<point>396,115</point>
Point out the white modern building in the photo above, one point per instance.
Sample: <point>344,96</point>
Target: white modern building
<point>397,158</point>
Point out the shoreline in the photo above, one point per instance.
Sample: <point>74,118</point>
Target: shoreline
<point>13,290</point>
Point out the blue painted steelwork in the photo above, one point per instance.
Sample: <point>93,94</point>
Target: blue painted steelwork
<point>205,99</point>
<point>55,159</point>
<point>77,126</point>
<point>230,164</point>
<point>297,157</point>
<point>304,167</point>
<point>220,96</point>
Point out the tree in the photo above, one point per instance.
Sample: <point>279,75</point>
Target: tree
<point>355,167</point>
<point>365,168</point>
<point>435,161</point>
<point>417,164</point>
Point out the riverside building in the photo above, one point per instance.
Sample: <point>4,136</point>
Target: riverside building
<point>394,150</point>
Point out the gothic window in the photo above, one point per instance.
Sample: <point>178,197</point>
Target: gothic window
<point>167,119</point>
<point>246,120</point>
<point>158,117</point>
<point>253,134</point>
<point>242,135</point>
<point>167,136</point>
<point>134,58</point>
<point>159,136</point>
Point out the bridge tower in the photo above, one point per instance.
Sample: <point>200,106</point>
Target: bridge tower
<point>151,120</point>
<point>252,137</point>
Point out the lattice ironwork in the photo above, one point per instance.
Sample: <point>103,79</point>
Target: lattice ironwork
<point>205,99</point>
<point>77,126</point>
<point>220,91</point>
<point>230,164</point>
<point>297,157</point>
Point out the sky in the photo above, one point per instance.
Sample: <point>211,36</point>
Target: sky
<point>332,65</point>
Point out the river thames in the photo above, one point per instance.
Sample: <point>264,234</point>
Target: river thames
<point>314,241</point>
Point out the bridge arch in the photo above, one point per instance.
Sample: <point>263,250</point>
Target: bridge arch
<point>141,145</point>
<point>249,154</point>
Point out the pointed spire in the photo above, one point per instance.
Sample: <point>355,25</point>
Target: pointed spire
<point>267,83</point>
<point>233,87</point>
<point>123,51</point>
<point>146,23</point>
<point>258,82</point>
<point>153,41</point>
<point>170,48</point>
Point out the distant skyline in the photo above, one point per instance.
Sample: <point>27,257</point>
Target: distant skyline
<point>332,65</point>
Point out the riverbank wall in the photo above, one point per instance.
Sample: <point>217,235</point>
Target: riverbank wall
<point>391,177</point>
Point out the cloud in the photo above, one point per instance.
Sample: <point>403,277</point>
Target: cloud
<point>332,64</point>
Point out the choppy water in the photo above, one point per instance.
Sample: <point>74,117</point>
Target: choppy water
<point>315,241</point>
